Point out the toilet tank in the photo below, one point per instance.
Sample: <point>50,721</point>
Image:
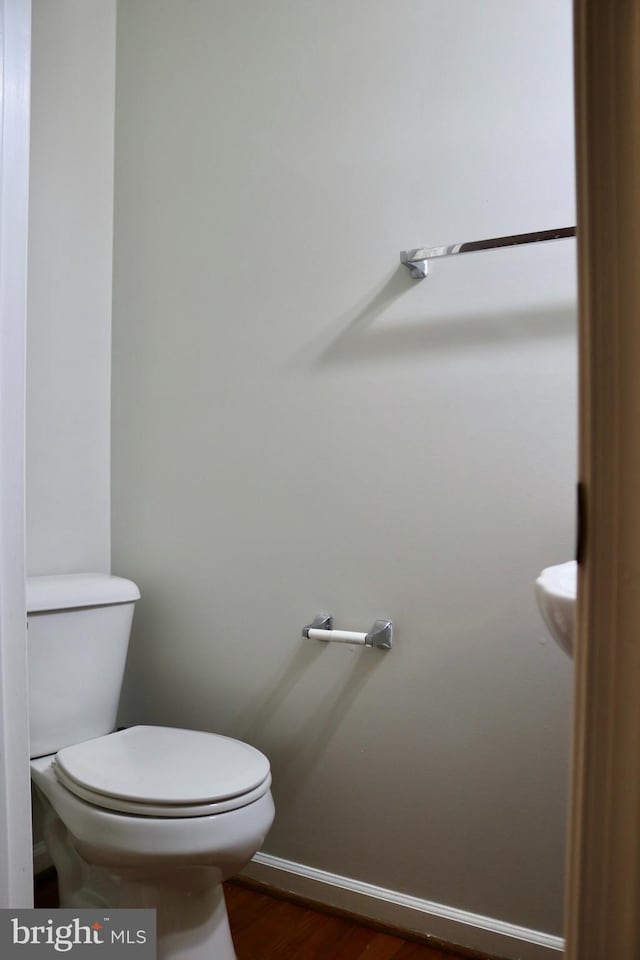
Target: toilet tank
<point>77,639</point>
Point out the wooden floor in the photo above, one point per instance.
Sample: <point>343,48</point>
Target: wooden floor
<point>269,928</point>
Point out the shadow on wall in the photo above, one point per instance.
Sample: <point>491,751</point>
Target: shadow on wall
<point>295,757</point>
<point>297,747</point>
<point>356,339</point>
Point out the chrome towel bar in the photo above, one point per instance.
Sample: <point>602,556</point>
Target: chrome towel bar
<point>417,261</point>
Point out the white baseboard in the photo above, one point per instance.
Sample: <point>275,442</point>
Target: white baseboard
<point>41,859</point>
<point>470,930</point>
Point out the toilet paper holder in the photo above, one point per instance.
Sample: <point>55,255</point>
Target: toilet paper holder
<point>380,635</point>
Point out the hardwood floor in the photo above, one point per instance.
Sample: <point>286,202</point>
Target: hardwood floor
<point>269,928</point>
<point>265,927</point>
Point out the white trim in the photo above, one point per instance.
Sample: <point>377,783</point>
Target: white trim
<point>16,887</point>
<point>412,914</point>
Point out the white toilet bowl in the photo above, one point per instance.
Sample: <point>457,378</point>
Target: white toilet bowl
<point>156,817</point>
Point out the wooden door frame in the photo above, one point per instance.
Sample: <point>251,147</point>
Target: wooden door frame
<point>603,899</point>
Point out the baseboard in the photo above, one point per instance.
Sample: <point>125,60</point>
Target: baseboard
<point>422,917</point>
<point>41,859</point>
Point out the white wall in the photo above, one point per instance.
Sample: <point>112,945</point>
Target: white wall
<point>298,426</point>
<point>70,275</point>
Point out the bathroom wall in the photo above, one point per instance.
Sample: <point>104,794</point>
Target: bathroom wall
<point>299,427</point>
<point>69,291</point>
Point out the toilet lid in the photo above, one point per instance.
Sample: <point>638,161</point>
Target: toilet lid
<point>160,810</point>
<point>186,771</point>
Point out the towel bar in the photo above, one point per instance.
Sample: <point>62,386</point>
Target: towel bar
<point>417,260</point>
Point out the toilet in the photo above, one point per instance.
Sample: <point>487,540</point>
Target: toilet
<point>146,816</point>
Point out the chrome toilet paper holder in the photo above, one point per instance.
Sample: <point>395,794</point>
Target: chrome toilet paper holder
<point>380,635</point>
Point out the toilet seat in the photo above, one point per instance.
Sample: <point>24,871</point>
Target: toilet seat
<point>164,772</point>
<point>120,805</point>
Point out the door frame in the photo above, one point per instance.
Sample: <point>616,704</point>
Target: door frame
<point>16,870</point>
<point>603,889</point>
